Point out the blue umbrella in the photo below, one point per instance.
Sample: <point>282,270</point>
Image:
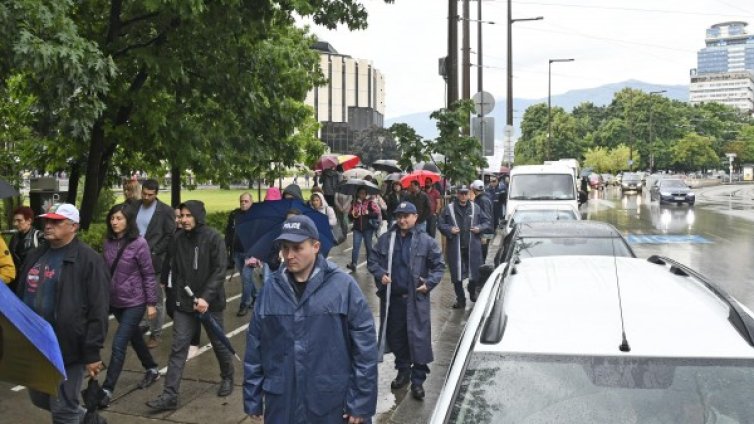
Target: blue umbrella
<point>258,227</point>
<point>29,350</point>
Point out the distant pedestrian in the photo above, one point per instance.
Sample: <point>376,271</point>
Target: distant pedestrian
<point>435,205</point>
<point>420,199</point>
<point>364,213</point>
<point>408,262</point>
<point>462,223</point>
<point>329,180</point>
<point>342,206</point>
<point>67,283</point>
<point>238,255</point>
<point>293,191</point>
<point>197,261</point>
<point>131,192</point>
<point>26,239</point>
<point>393,199</point>
<point>318,203</point>
<point>311,354</point>
<point>155,221</point>
<point>306,179</point>
<point>482,199</point>
<point>133,290</point>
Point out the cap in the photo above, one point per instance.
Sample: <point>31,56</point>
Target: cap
<point>297,229</point>
<point>462,189</point>
<point>62,211</point>
<point>477,185</point>
<point>405,207</point>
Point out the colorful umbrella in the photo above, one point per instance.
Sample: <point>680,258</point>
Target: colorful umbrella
<point>326,162</point>
<point>29,350</point>
<point>348,161</point>
<point>421,177</point>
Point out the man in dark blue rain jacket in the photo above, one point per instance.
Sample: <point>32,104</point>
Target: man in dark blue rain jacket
<point>311,352</point>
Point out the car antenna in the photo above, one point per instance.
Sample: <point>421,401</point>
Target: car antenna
<point>624,347</point>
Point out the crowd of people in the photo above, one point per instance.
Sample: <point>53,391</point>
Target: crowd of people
<point>312,345</point>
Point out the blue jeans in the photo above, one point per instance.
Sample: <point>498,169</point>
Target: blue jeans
<point>358,236</point>
<point>128,331</point>
<point>249,293</point>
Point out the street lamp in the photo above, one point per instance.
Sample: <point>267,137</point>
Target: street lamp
<point>509,100</point>
<point>549,101</point>
<point>381,139</point>
<point>651,139</point>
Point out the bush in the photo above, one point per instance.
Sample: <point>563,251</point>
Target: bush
<point>218,220</point>
<point>94,236</point>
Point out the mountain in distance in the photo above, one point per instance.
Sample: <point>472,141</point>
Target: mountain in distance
<point>600,96</point>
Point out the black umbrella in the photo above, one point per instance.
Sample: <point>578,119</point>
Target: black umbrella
<point>7,190</point>
<point>426,166</point>
<point>350,187</point>
<point>386,165</point>
<point>92,395</point>
<point>213,326</point>
<point>395,176</point>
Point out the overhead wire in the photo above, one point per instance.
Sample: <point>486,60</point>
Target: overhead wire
<point>625,9</point>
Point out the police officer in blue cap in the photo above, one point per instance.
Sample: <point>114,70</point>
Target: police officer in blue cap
<point>407,264</point>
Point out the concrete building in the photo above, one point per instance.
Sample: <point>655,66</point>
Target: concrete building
<point>354,95</point>
<point>725,67</point>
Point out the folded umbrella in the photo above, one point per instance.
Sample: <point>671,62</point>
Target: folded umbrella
<point>421,177</point>
<point>386,165</point>
<point>92,396</point>
<point>29,350</point>
<point>212,325</point>
<point>7,190</point>
<point>351,187</point>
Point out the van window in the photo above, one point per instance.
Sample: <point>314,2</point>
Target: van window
<point>542,187</point>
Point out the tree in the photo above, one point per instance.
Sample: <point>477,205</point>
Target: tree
<point>463,154</point>
<point>367,144</point>
<point>694,152</point>
<point>412,148</point>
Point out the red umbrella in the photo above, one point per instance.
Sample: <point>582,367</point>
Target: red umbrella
<point>326,162</point>
<point>421,177</point>
<point>348,161</point>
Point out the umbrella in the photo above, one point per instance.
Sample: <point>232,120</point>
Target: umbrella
<point>258,227</point>
<point>395,176</point>
<point>92,396</point>
<point>348,161</point>
<point>386,165</point>
<point>358,173</point>
<point>7,190</point>
<point>420,176</point>
<point>350,187</point>
<point>29,350</point>
<point>213,326</point>
<point>326,162</point>
<point>426,166</point>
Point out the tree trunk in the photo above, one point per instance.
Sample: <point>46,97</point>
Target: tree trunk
<point>73,182</point>
<point>91,185</point>
<point>175,185</point>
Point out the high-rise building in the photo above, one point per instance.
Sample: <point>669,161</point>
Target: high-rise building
<point>725,67</point>
<point>353,98</point>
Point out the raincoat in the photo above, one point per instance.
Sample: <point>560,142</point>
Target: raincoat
<point>311,361</point>
<point>427,263</point>
<point>475,218</point>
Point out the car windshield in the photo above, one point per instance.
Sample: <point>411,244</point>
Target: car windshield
<point>631,177</point>
<point>533,215</point>
<point>542,187</point>
<point>531,389</point>
<point>672,184</point>
<point>533,247</point>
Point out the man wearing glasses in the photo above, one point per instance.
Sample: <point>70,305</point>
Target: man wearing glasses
<point>462,222</point>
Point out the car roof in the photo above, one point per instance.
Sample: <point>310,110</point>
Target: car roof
<point>569,305</point>
<point>541,169</point>
<point>567,229</point>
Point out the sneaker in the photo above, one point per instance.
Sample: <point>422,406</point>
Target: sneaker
<point>163,403</point>
<point>150,377</point>
<point>153,342</point>
<point>226,387</point>
<point>193,351</point>
<point>105,397</point>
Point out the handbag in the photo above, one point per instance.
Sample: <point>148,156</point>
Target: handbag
<point>337,235</point>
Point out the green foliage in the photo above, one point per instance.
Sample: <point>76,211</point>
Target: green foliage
<point>694,152</point>
<point>94,236</point>
<point>410,145</point>
<point>463,154</point>
<point>218,220</point>
<point>369,148</point>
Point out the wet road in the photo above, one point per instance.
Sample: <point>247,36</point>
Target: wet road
<point>714,237</point>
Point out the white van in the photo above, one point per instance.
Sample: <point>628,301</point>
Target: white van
<point>543,186</point>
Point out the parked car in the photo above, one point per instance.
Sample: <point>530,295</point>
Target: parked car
<point>609,179</point>
<point>534,213</point>
<point>672,191</point>
<point>600,339</point>
<point>630,182</point>
<point>549,238</point>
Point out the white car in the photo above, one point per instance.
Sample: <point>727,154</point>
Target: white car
<point>535,213</point>
<point>600,339</point>
<point>541,186</point>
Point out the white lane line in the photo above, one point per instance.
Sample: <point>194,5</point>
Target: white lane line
<point>208,346</point>
<point>361,264</point>
<point>168,325</point>
<point>349,249</point>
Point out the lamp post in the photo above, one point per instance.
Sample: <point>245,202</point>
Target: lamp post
<point>509,66</point>
<point>651,139</point>
<point>549,101</point>
<point>381,140</point>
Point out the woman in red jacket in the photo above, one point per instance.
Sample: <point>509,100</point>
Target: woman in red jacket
<point>365,214</point>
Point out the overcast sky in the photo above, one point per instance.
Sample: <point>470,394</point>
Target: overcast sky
<point>611,41</point>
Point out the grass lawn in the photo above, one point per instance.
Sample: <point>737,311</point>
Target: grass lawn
<point>216,200</point>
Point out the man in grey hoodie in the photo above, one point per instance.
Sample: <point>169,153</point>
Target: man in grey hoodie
<point>197,259</point>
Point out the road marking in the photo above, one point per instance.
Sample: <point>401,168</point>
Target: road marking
<point>208,346</point>
<point>666,239</point>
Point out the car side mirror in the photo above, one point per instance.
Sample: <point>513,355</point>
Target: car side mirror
<point>484,273</point>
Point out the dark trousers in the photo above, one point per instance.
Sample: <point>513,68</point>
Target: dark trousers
<point>432,225</point>
<point>184,327</point>
<point>128,331</point>
<point>458,284</point>
<point>397,339</point>
<point>65,408</point>
<point>496,209</point>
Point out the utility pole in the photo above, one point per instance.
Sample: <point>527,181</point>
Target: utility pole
<point>466,94</point>
<point>479,72</point>
<point>451,63</point>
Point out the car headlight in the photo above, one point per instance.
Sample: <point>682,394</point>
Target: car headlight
<point>662,193</point>
<point>690,194</point>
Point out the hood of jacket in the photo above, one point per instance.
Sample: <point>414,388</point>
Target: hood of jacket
<point>273,193</point>
<point>197,210</point>
<point>294,190</point>
<point>324,206</point>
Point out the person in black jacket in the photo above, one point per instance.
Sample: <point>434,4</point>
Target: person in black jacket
<point>197,260</point>
<point>25,240</point>
<point>68,284</point>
